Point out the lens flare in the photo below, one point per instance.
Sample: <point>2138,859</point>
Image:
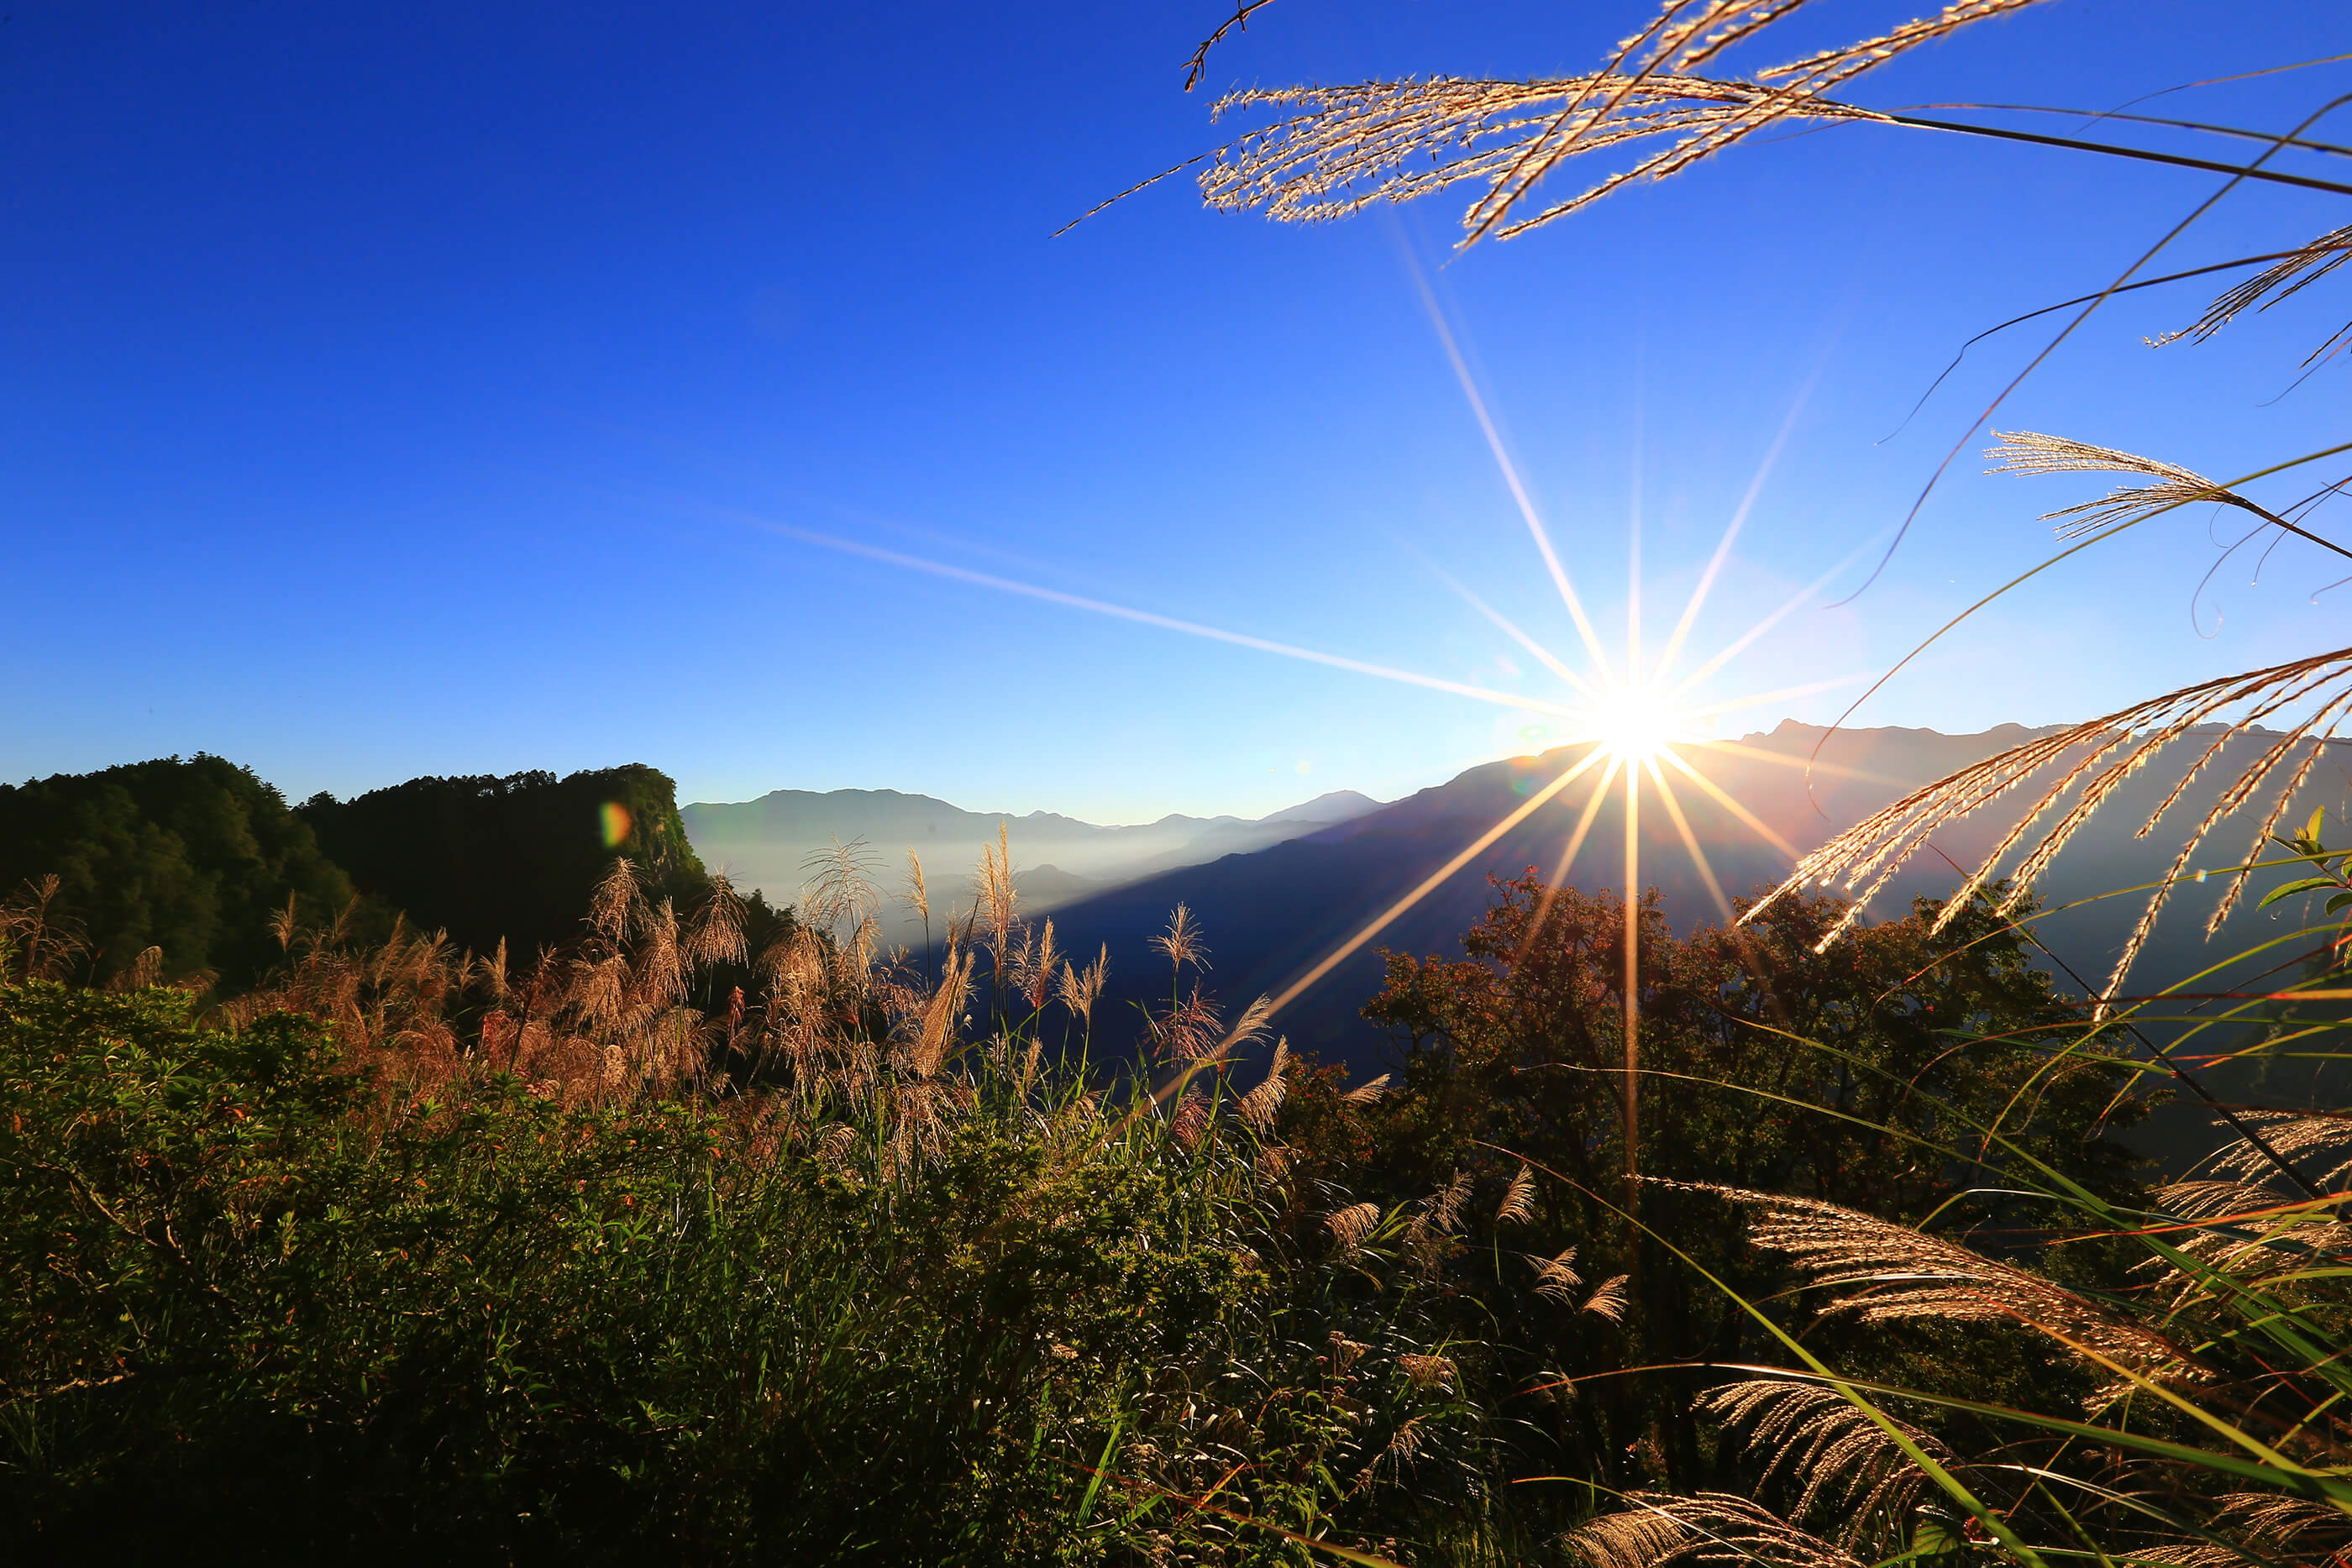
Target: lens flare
<point>617,824</point>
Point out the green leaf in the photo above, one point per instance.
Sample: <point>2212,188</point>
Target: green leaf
<point>2308,884</point>
<point>1935,1536</point>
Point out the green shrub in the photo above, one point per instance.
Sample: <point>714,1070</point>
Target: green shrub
<point>250,1300</point>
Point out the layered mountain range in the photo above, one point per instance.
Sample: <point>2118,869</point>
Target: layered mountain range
<point>1275,896</point>
<point>767,844</point>
<point>191,857</point>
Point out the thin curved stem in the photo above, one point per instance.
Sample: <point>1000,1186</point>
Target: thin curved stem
<point>2093,114</point>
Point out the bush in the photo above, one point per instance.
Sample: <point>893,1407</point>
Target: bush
<point>250,1300</point>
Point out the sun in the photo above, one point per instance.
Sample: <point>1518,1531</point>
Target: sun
<point>1634,724</point>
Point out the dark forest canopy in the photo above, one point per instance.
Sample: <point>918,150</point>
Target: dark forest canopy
<point>198,856</point>
<point>192,856</point>
<point>487,858</point>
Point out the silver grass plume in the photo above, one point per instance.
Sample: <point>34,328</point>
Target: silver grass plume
<point>613,907</point>
<point>997,895</point>
<point>1607,1298</point>
<point>2030,451</point>
<point>1557,1279</point>
<point>1863,859</point>
<point>918,892</point>
<point>716,935</point>
<point>1429,1239</point>
<point>1341,149</point>
<point>1251,1027</point>
<point>1349,1226</point>
<point>1081,987</point>
<point>1259,1107</point>
<point>1707,1527</point>
<point>939,1015</point>
<point>2312,1531</point>
<point>839,892</point>
<point>2242,1229</point>
<point>1180,944</point>
<point>1437,1372</point>
<point>2326,1136</point>
<point>1892,1272</point>
<point>1845,1462</point>
<point>2274,282</point>
<point>1519,1205</point>
<point>1191,1119</point>
<point>1038,966</point>
<point>1392,141</point>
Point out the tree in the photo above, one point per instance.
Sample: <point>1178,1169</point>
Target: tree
<point>512,858</point>
<point>1866,1077</point>
<point>191,857</point>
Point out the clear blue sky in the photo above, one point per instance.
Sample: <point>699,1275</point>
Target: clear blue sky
<point>395,389</point>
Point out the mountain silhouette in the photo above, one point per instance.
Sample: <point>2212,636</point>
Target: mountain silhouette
<point>1272,914</point>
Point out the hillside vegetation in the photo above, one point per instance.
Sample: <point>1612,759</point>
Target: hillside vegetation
<point>510,859</point>
<point>176,869</point>
<point>673,1246</point>
<point>188,858</point>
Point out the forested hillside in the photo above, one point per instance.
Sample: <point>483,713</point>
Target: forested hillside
<point>194,862</point>
<point>189,856</point>
<point>511,858</point>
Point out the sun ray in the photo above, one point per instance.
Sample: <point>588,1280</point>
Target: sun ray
<point>1510,472</point>
<point>1633,680</point>
<point>1633,997</point>
<point>1631,721</point>
<point>1690,841</point>
<point>1477,847</point>
<point>1567,857</point>
<point>1731,532</point>
<point>1741,940</point>
<point>1147,618</point>
<point>1548,659</point>
<point>1795,602</point>
<point>1735,704</point>
<point>1755,753</point>
<point>1754,823</point>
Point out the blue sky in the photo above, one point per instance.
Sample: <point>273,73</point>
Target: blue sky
<point>445,389</point>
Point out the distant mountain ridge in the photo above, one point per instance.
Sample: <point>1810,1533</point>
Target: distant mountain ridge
<point>1335,806</point>
<point>1270,914</point>
<point>764,843</point>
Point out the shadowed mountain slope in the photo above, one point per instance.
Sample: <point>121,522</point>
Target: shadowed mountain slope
<point>1272,914</point>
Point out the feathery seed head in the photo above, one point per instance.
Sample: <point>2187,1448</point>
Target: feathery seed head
<point>1349,1226</point>
<point>1519,1205</point>
<point>1182,942</point>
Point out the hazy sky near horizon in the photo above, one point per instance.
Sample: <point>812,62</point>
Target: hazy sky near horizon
<point>467,388</point>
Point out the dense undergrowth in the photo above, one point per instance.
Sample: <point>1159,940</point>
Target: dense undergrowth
<point>670,1248</point>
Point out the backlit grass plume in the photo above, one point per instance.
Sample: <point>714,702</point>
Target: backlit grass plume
<point>2274,284</point>
<point>1341,147</point>
<point>2090,762</point>
<point>1707,1527</point>
<point>1843,1465</point>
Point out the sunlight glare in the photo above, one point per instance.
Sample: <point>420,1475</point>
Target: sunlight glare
<point>1634,724</point>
